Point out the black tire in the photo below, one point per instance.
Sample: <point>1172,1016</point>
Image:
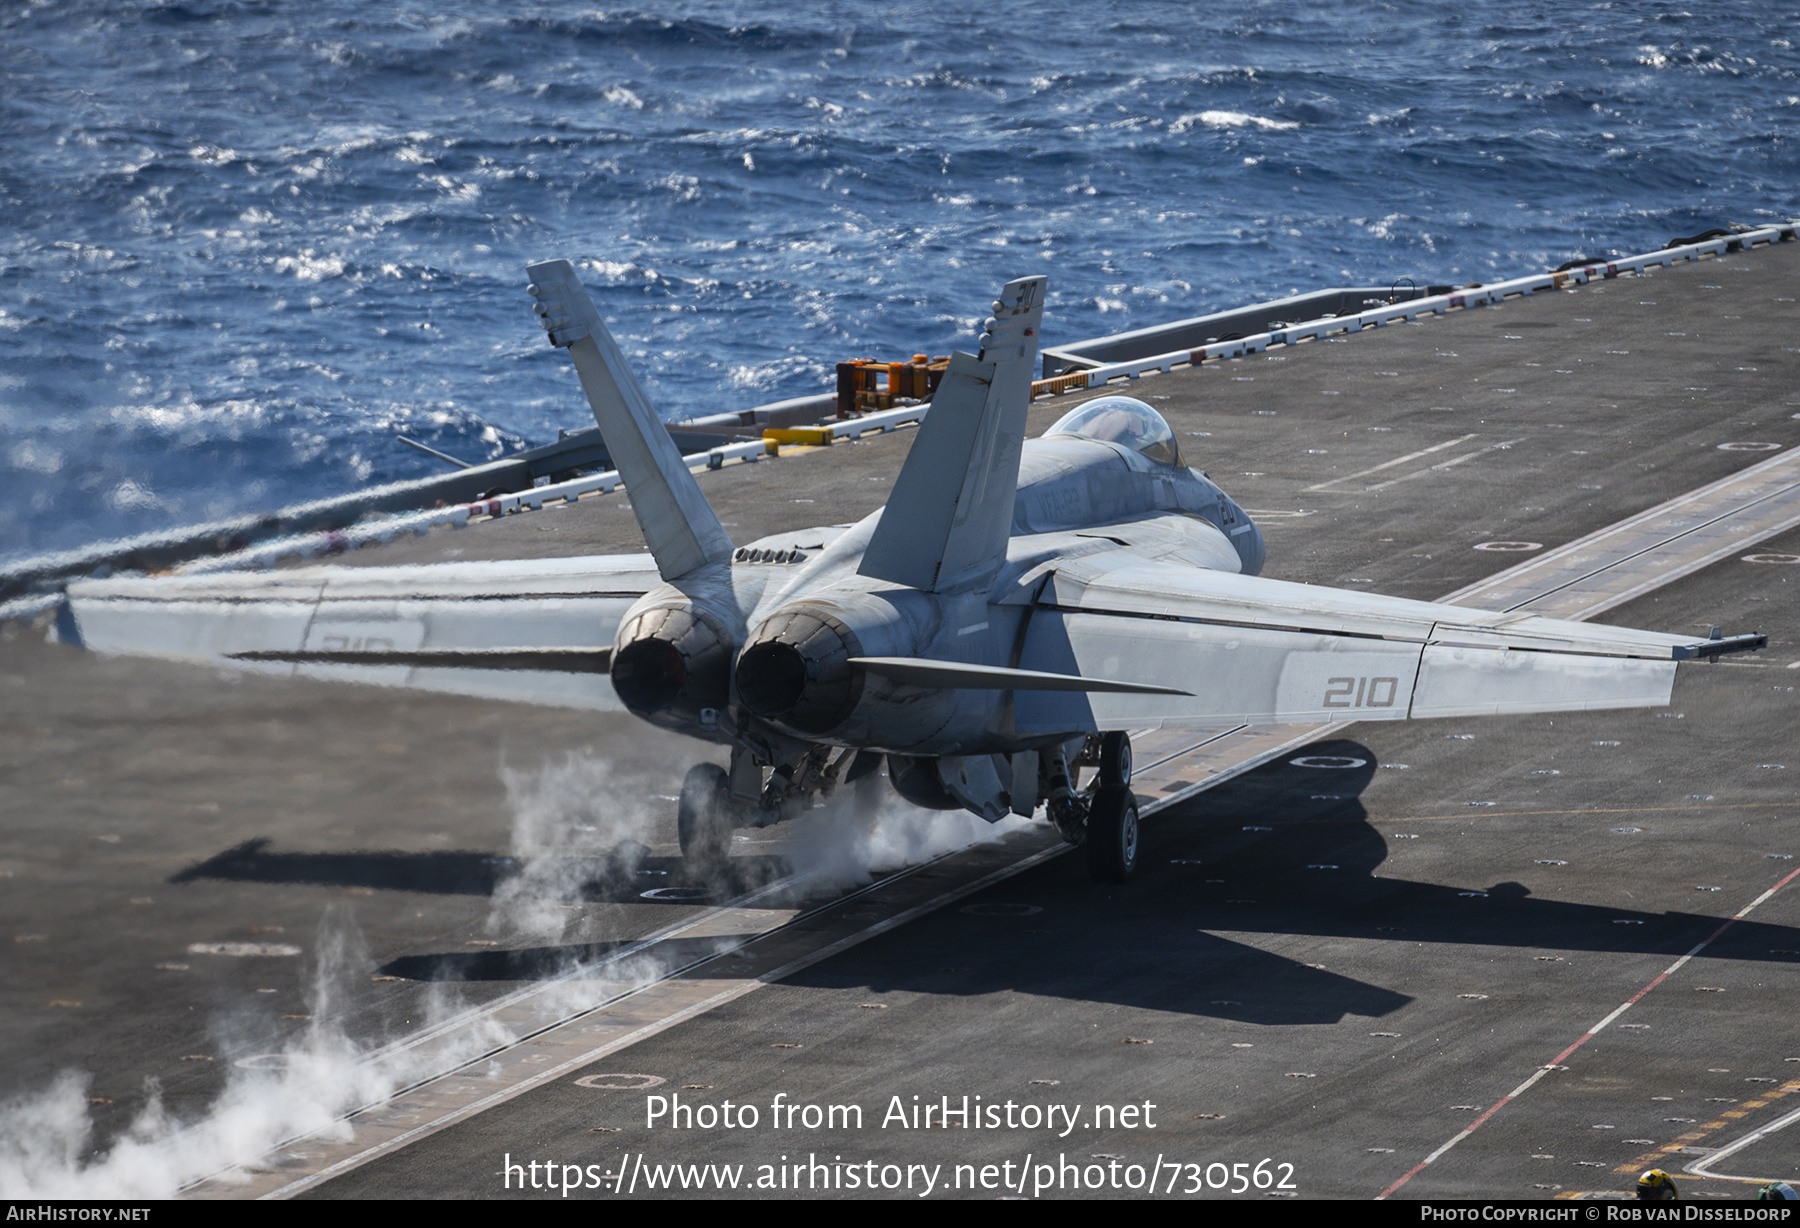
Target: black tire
<point>703,820</point>
<point>1115,758</point>
<point>1112,835</point>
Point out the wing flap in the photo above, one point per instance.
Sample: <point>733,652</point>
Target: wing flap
<point>610,575</point>
<point>554,660</point>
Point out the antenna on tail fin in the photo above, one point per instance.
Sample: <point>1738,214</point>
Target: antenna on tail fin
<point>679,526</point>
<point>948,520</point>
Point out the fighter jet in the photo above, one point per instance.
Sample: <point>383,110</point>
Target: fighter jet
<point>993,635</point>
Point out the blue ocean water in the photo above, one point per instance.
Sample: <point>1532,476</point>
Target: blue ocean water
<point>248,243</point>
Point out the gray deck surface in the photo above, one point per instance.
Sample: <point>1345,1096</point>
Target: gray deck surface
<point>150,806</point>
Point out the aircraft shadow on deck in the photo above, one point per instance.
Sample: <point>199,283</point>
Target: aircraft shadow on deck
<point>622,875</point>
<point>1308,872</point>
<point>1318,820</point>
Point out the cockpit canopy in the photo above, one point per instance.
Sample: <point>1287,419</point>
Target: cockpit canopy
<point>1125,421</point>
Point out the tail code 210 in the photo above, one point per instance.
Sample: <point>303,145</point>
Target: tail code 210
<point>1361,692</point>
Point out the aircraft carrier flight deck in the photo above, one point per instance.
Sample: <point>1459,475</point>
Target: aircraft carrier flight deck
<point>1385,958</point>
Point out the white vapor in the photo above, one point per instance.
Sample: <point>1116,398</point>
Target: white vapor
<point>574,823</point>
<point>866,829</point>
<point>321,1075</point>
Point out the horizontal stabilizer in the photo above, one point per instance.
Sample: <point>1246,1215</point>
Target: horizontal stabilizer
<point>558,660</point>
<point>921,671</point>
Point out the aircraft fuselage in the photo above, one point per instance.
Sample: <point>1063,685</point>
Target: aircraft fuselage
<point>762,645</point>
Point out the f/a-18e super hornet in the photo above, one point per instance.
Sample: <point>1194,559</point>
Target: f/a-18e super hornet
<point>993,634</point>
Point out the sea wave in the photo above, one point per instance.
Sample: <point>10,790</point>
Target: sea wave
<point>323,213</point>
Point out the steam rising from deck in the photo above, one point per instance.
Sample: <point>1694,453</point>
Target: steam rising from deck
<point>574,822</point>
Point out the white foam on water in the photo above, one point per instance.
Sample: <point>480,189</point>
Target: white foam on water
<point>1230,119</point>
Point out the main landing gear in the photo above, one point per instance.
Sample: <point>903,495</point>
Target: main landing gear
<point>707,814</point>
<point>1112,818</point>
<point>715,801</point>
<point>1103,817</point>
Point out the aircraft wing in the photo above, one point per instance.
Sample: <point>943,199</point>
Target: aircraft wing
<point>536,631</point>
<point>1255,650</point>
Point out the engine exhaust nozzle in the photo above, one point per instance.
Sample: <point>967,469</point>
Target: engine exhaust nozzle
<point>797,672</point>
<point>671,662</point>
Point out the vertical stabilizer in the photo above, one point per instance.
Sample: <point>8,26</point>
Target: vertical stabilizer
<point>947,522</point>
<point>680,527</point>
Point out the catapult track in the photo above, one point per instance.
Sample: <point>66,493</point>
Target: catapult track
<point>1388,941</point>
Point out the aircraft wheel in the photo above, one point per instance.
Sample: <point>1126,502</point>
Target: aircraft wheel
<point>1115,758</point>
<point>1112,835</point>
<point>703,819</point>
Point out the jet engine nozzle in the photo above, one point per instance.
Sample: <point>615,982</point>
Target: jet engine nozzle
<point>797,672</point>
<point>670,662</point>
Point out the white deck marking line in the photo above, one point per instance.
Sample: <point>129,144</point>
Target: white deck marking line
<point>645,1031</point>
<point>1467,456</point>
<point>1703,1166</point>
<point>1548,561</point>
<point>1290,738</point>
<point>1723,1121</point>
<point>1733,547</point>
<point>1187,748</point>
<point>489,1010</point>
<point>1410,456</point>
<point>1586,1036</point>
<point>1761,533</point>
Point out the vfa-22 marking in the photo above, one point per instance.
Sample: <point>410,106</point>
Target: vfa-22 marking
<point>1348,692</point>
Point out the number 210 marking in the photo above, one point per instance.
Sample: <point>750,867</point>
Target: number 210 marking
<point>1361,692</point>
